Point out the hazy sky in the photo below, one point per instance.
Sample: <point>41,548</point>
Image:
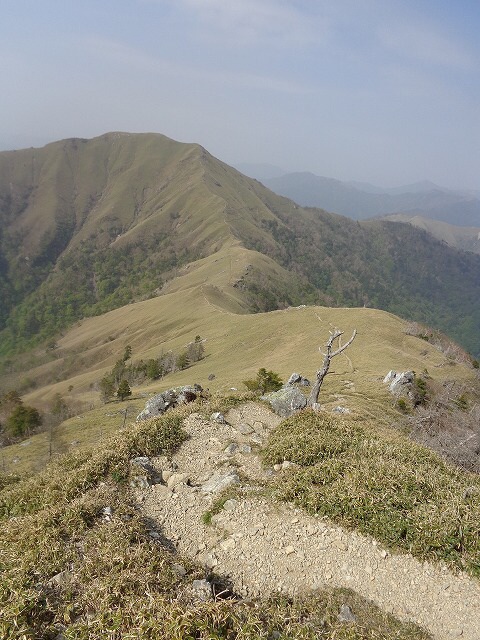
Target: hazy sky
<point>384,91</point>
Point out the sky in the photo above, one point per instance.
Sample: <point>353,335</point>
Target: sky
<point>381,91</point>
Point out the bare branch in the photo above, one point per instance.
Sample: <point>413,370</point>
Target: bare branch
<point>327,358</point>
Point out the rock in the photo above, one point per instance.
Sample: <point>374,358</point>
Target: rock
<point>228,544</point>
<point>211,376</point>
<point>211,561</point>
<point>218,417</point>
<point>340,409</point>
<point>296,378</point>
<point>107,513</point>
<point>142,473</point>
<point>232,449</point>
<point>219,481</point>
<point>230,504</point>
<point>277,467</point>
<point>286,401</point>
<point>61,579</point>
<point>160,402</point>
<point>176,479</point>
<point>346,614</point>
<point>400,383</point>
<point>289,550</point>
<point>179,570</point>
<point>202,590</point>
<point>391,375</point>
<point>245,429</point>
<point>245,449</point>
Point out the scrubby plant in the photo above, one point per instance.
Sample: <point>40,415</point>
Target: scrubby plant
<point>264,382</point>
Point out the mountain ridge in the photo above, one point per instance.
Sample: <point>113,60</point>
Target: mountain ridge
<point>90,225</point>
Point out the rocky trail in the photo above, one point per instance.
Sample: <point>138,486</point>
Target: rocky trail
<point>261,546</point>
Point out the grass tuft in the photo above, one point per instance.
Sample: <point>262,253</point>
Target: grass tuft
<point>385,486</point>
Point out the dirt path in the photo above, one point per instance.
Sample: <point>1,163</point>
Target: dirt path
<point>265,547</point>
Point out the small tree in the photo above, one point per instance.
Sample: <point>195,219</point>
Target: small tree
<point>107,387</point>
<point>153,369</point>
<point>183,360</point>
<point>123,390</point>
<point>264,382</point>
<point>59,408</point>
<point>327,358</point>
<point>23,421</point>
<point>195,350</point>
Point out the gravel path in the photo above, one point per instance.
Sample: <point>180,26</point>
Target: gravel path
<point>264,546</point>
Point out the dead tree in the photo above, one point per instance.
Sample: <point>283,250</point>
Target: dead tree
<point>327,358</point>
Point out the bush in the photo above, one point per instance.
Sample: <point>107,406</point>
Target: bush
<point>23,421</point>
<point>264,382</point>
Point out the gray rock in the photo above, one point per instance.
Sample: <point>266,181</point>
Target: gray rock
<point>179,570</point>
<point>61,579</point>
<point>391,375</point>
<point>245,429</point>
<point>202,590</point>
<point>230,504</point>
<point>219,481</point>
<point>245,449</point>
<point>142,474</point>
<point>232,449</point>
<point>340,409</point>
<point>346,614</point>
<point>296,378</point>
<point>286,401</point>
<point>218,417</point>
<point>401,384</point>
<point>160,402</point>
<point>177,478</point>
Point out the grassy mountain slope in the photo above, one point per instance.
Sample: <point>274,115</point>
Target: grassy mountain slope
<point>463,238</point>
<point>91,225</point>
<point>236,345</point>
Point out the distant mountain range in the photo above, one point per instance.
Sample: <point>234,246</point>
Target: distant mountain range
<point>91,225</point>
<point>361,201</point>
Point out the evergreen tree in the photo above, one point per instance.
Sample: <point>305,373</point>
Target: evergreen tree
<point>124,390</point>
<point>264,382</point>
<point>23,421</point>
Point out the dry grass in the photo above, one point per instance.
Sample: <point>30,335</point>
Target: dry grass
<point>383,485</point>
<point>113,581</point>
<point>236,346</point>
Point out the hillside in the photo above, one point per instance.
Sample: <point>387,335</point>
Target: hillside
<point>91,225</point>
<point>126,249</point>
<point>463,238</point>
<point>360,201</point>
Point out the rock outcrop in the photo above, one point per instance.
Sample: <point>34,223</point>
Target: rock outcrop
<point>287,401</point>
<point>160,402</point>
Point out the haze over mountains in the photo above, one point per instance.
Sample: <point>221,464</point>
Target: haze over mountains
<point>360,201</point>
<point>91,225</point>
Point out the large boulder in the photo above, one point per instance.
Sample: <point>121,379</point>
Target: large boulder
<point>287,401</point>
<point>400,384</point>
<point>160,402</point>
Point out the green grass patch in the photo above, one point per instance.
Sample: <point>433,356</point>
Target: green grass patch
<point>385,486</point>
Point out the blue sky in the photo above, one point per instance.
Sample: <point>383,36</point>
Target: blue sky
<point>383,91</point>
